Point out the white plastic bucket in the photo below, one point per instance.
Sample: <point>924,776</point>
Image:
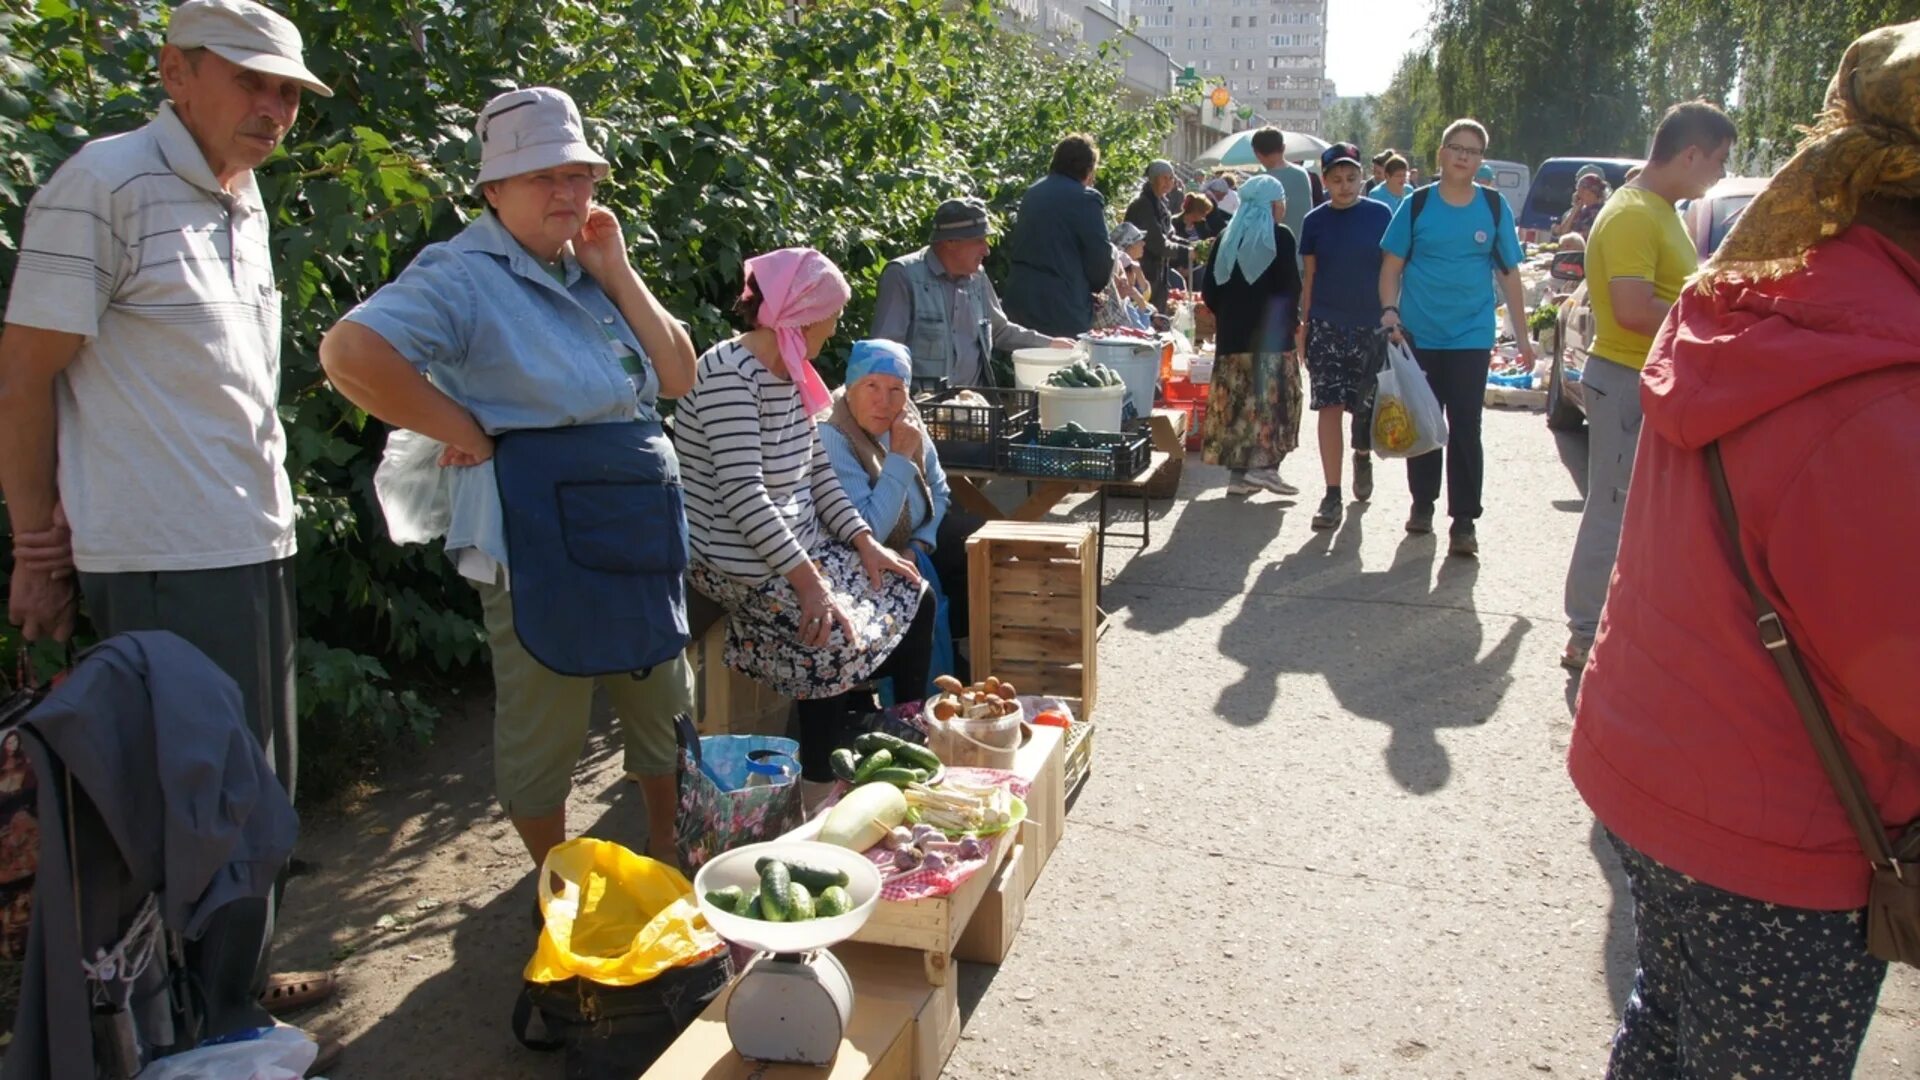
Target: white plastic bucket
<point>1032,366</point>
<point>1096,408</point>
<point>1136,362</point>
<point>1200,370</point>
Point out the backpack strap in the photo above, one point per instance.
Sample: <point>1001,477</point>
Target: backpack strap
<point>1419,200</point>
<point>1413,215</point>
<point>1494,202</point>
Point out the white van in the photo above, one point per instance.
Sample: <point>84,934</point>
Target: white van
<point>1512,179</point>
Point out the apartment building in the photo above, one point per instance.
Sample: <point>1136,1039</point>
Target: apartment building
<point>1272,54</point>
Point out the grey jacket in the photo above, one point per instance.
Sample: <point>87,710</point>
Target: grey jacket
<point>938,318</point>
<point>172,794</point>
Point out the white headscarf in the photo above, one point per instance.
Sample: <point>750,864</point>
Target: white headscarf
<point>1248,241</point>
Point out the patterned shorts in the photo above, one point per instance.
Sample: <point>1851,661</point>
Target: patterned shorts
<point>1341,362</point>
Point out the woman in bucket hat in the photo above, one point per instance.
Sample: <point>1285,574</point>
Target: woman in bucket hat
<point>531,318</point>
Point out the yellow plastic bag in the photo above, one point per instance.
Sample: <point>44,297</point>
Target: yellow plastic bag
<point>619,920</point>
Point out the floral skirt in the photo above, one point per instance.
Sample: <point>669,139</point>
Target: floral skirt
<point>763,630</point>
<point>1253,410</point>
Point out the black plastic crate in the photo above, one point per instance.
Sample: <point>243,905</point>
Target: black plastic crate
<point>971,436</point>
<point>1116,455</point>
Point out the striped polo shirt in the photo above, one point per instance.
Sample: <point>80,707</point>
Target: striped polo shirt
<point>171,454</point>
<point>759,487</point>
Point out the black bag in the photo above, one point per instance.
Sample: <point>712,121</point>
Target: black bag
<point>617,1032</point>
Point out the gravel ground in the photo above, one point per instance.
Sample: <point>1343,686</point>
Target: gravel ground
<point>1328,833</point>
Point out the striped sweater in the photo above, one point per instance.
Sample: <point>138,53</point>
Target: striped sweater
<point>759,487</point>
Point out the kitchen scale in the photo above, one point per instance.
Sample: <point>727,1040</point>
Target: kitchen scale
<point>793,1003</point>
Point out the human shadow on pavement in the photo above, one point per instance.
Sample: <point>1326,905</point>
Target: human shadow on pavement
<point>1225,532</point>
<point>1572,447</point>
<point>1399,647</point>
<point>1621,957</point>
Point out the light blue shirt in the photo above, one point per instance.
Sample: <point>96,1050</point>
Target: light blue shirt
<point>881,499</point>
<point>1384,194</point>
<point>501,334</point>
<point>1299,189</point>
<point>1447,299</point>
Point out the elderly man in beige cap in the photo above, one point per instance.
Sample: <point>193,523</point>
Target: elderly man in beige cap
<point>139,375</point>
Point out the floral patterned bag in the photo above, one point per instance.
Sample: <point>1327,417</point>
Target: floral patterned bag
<point>718,809</point>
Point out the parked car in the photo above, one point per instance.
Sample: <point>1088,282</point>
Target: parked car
<point>1511,179</point>
<point>1708,220</point>
<point>1552,192</point>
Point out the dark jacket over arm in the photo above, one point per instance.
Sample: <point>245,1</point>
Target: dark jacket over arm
<point>1261,316</point>
<point>1061,257</point>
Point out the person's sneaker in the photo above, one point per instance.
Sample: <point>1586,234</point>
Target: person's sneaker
<point>1243,487</point>
<point>1328,516</point>
<point>1270,480</point>
<point>1363,476</point>
<point>1461,540</point>
<point>1420,521</point>
<point>1574,656</point>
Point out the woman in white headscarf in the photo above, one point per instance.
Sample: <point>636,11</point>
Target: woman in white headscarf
<point>1252,286</point>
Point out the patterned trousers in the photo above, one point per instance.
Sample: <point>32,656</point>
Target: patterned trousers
<point>1736,989</point>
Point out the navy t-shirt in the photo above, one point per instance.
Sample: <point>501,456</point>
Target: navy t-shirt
<point>1345,245</point>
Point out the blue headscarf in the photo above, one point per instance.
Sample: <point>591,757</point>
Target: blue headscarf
<point>877,356</point>
<point>1248,242</point>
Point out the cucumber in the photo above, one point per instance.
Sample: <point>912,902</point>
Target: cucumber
<point>845,765</point>
<point>871,741</point>
<point>775,892</point>
<point>871,764</point>
<point>727,899</point>
<point>832,901</point>
<point>749,906</point>
<point>920,776</point>
<point>916,757</point>
<point>884,741</point>
<point>799,902</point>
<point>894,775</point>
<point>812,877</point>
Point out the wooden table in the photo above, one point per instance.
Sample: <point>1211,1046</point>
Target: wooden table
<point>1045,493</point>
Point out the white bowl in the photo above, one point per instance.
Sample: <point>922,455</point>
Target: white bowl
<point>736,868</point>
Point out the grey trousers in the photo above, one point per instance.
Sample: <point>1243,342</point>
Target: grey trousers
<point>242,617</point>
<point>1613,434</point>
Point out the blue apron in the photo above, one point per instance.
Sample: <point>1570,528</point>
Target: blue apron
<point>596,543</point>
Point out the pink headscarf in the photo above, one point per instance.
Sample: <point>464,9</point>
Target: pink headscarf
<point>798,287</point>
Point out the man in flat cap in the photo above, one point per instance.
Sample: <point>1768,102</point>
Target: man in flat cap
<point>940,305</point>
<point>141,452</point>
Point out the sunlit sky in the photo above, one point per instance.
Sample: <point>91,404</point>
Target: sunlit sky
<point>1366,38</point>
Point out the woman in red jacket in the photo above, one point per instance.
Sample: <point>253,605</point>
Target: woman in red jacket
<point>1799,354</point>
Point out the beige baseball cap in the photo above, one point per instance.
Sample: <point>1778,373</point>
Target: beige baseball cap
<point>523,131</point>
<point>255,37</point>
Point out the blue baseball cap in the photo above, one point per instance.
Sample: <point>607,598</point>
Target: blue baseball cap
<point>1485,173</point>
<point>1340,153</point>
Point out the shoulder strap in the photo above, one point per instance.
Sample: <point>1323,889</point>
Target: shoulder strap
<point>1847,785</point>
<point>1493,207</point>
<point>1419,198</point>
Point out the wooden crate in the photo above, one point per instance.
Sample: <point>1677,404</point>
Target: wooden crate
<point>989,935</point>
<point>933,927</point>
<point>1042,763</point>
<point>1168,427</point>
<point>889,975</point>
<point>727,702</point>
<point>1033,588</point>
<point>879,1045</point>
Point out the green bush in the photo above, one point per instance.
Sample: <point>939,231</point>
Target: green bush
<point>733,127</point>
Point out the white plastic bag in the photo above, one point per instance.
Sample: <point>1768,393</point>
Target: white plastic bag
<point>282,1053</point>
<point>415,493</point>
<point>1407,420</point>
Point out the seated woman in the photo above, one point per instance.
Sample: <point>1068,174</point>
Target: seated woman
<point>531,318</point>
<point>892,472</point>
<point>816,604</point>
<point>1590,193</point>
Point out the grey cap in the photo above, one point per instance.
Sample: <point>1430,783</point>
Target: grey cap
<point>960,219</point>
<point>244,33</point>
<point>1158,168</point>
<point>524,131</point>
<point>1126,234</point>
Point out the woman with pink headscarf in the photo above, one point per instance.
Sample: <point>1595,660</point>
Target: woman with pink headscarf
<point>817,604</point>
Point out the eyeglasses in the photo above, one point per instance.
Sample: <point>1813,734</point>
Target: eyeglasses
<point>1466,151</point>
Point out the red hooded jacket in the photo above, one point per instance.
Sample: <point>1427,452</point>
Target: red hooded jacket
<point>1685,741</point>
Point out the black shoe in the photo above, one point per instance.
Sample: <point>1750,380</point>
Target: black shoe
<point>1461,541</point>
<point>1420,521</point>
<point>1362,476</point>
<point>1328,516</point>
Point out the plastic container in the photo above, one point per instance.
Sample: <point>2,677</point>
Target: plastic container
<point>1137,362</point>
<point>1200,370</point>
<point>1032,366</point>
<point>736,868</point>
<point>772,770</point>
<point>1096,408</point>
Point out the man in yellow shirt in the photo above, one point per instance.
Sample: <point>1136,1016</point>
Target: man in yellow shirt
<point>1638,259</point>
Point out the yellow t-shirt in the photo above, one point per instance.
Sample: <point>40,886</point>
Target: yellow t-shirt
<point>1638,235</point>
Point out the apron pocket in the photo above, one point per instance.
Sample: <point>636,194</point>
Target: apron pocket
<point>623,528</point>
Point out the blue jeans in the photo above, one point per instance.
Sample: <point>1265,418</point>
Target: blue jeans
<point>1732,987</point>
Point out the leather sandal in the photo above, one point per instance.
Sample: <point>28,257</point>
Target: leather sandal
<point>293,990</point>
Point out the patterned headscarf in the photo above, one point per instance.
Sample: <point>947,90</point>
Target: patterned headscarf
<point>1866,142</point>
<point>798,287</point>
<point>1248,241</point>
